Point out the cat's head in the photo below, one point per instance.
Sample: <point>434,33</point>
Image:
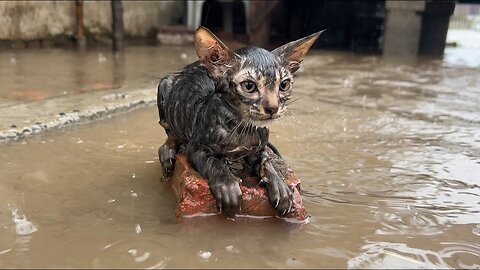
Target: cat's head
<point>258,82</point>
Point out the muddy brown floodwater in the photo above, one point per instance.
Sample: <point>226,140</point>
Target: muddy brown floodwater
<point>388,154</point>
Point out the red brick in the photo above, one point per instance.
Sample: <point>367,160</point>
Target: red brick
<point>194,196</point>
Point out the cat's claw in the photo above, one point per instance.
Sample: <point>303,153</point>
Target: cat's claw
<point>219,206</point>
<point>228,196</point>
<point>280,196</point>
<point>167,168</point>
<point>167,159</point>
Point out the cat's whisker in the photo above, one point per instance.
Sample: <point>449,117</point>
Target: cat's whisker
<point>304,128</point>
<point>289,102</point>
<point>286,119</point>
<point>245,128</point>
<point>251,126</point>
<point>290,113</point>
<point>289,118</point>
<point>235,128</point>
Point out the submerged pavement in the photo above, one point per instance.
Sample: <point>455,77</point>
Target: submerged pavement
<point>53,88</point>
<point>35,117</point>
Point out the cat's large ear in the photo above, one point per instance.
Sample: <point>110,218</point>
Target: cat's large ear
<point>212,52</point>
<point>292,53</point>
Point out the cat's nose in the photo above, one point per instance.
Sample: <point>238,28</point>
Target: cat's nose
<point>271,110</point>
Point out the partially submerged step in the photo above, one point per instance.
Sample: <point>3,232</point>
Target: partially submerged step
<point>195,199</point>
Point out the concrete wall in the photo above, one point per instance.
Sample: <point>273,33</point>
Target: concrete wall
<point>416,27</point>
<point>403,28</point>
<point>31,20</point>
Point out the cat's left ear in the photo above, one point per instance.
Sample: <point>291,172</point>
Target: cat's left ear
<point>212,52</point>
<point>292,53</point>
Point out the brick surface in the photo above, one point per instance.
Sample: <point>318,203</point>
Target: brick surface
<point>194,196</point>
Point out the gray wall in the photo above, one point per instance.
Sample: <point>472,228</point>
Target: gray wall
<point>32,20</point>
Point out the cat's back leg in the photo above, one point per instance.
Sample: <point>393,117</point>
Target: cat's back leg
<point>168,151</point>
<point>274,149</point>
<point>163,91</point>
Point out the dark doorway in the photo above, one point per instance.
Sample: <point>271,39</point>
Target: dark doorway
<point>213,16</point>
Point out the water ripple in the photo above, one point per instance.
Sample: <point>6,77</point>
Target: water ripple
<point>133,253</point>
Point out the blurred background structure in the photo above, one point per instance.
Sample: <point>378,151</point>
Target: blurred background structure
<point>392,27</point>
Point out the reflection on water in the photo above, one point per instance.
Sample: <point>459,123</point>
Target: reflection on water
<point>37,74</point>
<point>389,156</point>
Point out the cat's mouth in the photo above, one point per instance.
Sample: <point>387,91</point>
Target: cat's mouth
<point>263,123</point>
<point>263,119</point>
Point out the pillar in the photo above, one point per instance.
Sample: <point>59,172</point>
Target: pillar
<point>436,18</point>
<point>403,27</point>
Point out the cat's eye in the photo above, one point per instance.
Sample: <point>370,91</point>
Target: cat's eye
<point>248,86</point>
<point>285,85</point>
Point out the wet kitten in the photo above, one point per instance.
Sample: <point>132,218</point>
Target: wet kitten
<point>218,108</point>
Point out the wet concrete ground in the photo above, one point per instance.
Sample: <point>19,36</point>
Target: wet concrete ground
<point>388,154</point>
<point>46,88</point>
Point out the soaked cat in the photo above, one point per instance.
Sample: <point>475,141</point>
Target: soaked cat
<point>218,108</point>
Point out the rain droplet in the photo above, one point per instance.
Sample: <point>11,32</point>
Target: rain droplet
<point>5,251</point>
<point>25,227</point>
<point>142,258</point>
<point>476,230</point>
<point>22,225</point>
<point>231,249</point>
<point>101,58</point>
<point>204,254</point>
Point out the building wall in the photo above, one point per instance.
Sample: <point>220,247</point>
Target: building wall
<point>32,20</point>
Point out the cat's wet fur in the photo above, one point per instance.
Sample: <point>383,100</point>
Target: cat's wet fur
<point>217,110</point>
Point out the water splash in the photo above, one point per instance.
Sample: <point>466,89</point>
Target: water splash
<point>138,229</point>
<point>22,225</point>
<point>204,254</point>
<point>132,253</point>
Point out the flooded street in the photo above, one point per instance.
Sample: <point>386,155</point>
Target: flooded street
<point>69,72</point>
<point>388,154</point>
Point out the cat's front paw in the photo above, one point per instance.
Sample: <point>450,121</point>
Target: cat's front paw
<point>228,196</point>
<point>166,155</point>
<point>280,195</point>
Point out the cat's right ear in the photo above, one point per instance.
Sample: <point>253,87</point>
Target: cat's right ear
<point>212,52</point>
